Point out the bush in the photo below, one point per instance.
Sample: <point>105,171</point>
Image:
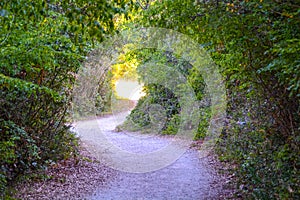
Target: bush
<point>256,45</point>
<point>18,151</point>
<point>32,125</point>
<point>43,44</point>
<point>157,94</point>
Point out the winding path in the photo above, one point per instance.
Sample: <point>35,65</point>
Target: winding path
<point>189,177</point>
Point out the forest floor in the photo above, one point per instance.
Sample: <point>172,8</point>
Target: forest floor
<point>90,177</point>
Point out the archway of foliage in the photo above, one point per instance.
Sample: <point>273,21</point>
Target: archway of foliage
<point>255,44</point>
<point>158,45</point>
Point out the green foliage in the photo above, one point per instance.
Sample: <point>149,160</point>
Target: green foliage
<point>18,150</point>
<point>256,45</point>
<point>158,94</point>
<point>103,101</point>
<point>42,46</point>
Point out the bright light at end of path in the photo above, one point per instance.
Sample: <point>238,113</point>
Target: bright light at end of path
<point>129,89</point>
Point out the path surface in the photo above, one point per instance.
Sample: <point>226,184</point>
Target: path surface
<point>189,177</point>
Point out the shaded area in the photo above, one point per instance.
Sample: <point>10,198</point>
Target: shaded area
<point>69,179</point>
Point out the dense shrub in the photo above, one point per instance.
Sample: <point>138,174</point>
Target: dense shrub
<point>42,45</point>
<point>256,45</point>
<point>169,114</point>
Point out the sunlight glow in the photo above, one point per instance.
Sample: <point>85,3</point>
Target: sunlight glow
<point>129,89</point>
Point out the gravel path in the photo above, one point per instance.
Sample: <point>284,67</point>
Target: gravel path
<point>187,177</point>
<point>90,177</point>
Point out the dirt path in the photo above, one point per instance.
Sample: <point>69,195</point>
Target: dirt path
<point>188,177</point>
